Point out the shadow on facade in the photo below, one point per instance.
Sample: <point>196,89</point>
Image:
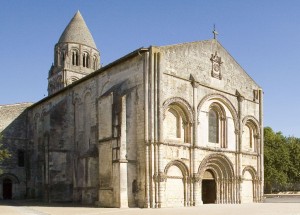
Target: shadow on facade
<point>13,174</point>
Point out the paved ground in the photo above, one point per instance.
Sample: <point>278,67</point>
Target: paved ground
<point>290,207</point>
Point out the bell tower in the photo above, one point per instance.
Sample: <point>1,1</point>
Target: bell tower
<point>75,55</point>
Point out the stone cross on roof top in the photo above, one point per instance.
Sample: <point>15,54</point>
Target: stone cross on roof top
<point>215,32</point>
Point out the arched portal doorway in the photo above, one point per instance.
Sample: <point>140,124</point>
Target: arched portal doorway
<point>217,179</point>
<point>209,192</point>
<point>7,189</point>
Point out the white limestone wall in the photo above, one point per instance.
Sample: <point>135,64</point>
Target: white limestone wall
<point>203,127</point>
<point>185,66</point>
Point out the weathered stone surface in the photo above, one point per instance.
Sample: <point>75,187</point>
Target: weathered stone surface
<point>169,126</point>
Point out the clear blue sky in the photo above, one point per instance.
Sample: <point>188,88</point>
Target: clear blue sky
<point>263,36</point>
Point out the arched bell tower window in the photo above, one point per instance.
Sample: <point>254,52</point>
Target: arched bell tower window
<point>57,58</point>
<point>63,56</point>
<point>85,60</point>
<point>75,60</point>
<point>95,62</point>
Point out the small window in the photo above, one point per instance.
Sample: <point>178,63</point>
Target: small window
<point>63,57</point>
<point>85,60</point>
<point>21,158</point>
<point>75,58</point>
<point>95,63</point>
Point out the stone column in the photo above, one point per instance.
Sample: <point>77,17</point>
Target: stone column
<point>123,198</point>
<point>261,155</point>
<point>196,192</point>
<point>159,129</point>
<point>148,192</point>
<point>240,99</point>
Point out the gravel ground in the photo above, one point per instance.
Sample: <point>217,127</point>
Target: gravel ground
<point>272,206</point>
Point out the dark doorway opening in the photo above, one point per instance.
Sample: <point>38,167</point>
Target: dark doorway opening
<point>209,191</point>
<point>7,189</point>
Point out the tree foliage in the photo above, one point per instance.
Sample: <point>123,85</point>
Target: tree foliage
<point>281,161</point>
<point>4,153</point>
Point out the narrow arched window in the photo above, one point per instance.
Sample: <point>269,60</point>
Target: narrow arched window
<point>21,158</point>
<point>249,140</point>
<point>213,126</point>
<point>75,59</point>
<point>85,60</point>
<point>63,56</point>
<point>95,62</point>
<point>57,58</point>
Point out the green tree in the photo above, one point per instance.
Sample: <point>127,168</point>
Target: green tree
<point>4,153</point>
<point>277,160</point>
<point>294,152</point>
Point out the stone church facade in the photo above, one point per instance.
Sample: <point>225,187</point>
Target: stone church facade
<point>164,126</point>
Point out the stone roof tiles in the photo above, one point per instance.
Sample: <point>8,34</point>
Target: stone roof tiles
<point>77,32</point>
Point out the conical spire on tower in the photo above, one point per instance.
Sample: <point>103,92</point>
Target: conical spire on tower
<point>76,55</point>
<point>77,32</point>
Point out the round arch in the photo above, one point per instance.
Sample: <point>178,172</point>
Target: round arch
<point>184,169</point>
<point>254,121</point>
<point>223,172</point>
<point>182,103</point>
<point>219,163</point>
<point>251,170</point>
<point>223,100</point>
<point>10,176</point>
<point>8,182</point>
<point>177,120</point>
<point>249,185</point>
<point>176,184</point>
<point>251,134</point>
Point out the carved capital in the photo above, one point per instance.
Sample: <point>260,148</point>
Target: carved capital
<point>196,178</point>
<point>240,98</point>
<point>239,179</point>
<point>257,136</point>
<point>236,131</point>
<point>160,177</point>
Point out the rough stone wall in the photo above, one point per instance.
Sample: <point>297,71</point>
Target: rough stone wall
<point>51,145</point>
<point>75,139</point>
<point>119,144</point>
<point>13,127</point>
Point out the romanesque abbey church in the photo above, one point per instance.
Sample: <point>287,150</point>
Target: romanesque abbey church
<point>163,126</point>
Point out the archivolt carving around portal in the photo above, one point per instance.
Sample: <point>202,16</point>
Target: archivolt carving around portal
<point>219,164</point>
<point>223,100</point>
<point>10,176</point>
<point>251,170</point>
<point>254,121</point>
<point>182,103</point>
<point>184,169</point>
